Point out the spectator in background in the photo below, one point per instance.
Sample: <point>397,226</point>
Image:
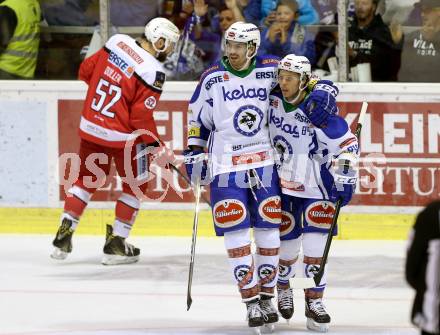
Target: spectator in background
<point>306,12</point>
<point>326,41</point>
<point>421,48</point>
<point>327,10</point>
<point>422,269</point>
<point>251,10</point>
<point>196,47</point>
<point>414,18</point>
<point>19,38</point>
<point>370,41</point>
<point>233,6</point>
<point>326,38</point>
<point>211,43</point>
<point>286,35</point>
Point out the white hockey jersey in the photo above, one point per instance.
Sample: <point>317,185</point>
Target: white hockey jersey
<point>304,152</point>
<point>230,109</point>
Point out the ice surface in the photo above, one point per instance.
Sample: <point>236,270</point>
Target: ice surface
<point>79,296</point>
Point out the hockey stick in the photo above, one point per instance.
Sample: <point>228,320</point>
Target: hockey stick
<point>193,244</point>
<point>316,279</point>
<point>184,177</point>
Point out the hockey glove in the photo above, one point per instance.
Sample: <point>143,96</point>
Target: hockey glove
<point>345,179</point>
<point>163,156</point>
<point>196,164</point>
<point>321,103</point>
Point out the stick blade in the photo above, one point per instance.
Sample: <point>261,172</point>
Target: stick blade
<point>189,302</point>
<point>301,282</point>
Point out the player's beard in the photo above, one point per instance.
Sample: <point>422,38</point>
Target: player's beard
<point>162,57</point>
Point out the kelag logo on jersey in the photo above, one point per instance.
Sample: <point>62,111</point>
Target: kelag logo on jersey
<point>284,126</point>
<point>247,120</point>
<point>121,64</point>
<point>243,93</point>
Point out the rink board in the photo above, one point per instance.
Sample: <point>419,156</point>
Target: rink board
<point>179,223</point>
<point>399,167</point>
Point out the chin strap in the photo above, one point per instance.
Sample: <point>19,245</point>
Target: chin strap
<point>244,67</point>
<point>248,60</point>
<point>301,88</point>
<point>158,51</point>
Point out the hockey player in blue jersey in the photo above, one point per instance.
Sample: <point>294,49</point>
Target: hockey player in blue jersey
<point>312,141</point>
<point>228,115</point>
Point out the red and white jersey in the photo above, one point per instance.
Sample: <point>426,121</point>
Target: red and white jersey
<point>125,84</point>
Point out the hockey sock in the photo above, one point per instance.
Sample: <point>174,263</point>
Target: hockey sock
<point>289,251</point>
<point>238,246</point>
<point>313,246</point>
<point>268,245</point>
<point>76,201</point>
<point>126,210</point>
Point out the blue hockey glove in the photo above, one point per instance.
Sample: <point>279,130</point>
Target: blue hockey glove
<point>345,179</point>
<point>321,103</point>
<point>343,192</point>
<point>195,164</point>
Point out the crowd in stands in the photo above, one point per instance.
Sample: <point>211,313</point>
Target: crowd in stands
<point>397,40</point>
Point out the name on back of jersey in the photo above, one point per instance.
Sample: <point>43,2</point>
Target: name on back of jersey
<point>112,74</point>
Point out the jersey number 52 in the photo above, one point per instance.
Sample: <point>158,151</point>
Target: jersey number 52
<point>104,89</point>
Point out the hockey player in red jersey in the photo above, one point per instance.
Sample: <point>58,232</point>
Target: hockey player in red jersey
<point>125,80</point>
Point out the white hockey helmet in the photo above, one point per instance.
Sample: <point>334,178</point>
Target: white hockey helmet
<point>297,64</point>
<point>244,33</point>
<point>160,27</point>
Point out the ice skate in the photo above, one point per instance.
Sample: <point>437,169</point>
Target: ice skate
<point>317,317</point>
<point>285,303</point>
<point>254,315</point>
<point>63,240</point>
<point>270,315</point>
<point>117,250</point>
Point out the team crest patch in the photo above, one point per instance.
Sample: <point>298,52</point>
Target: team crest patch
<point>283,148</point>
<point>311,270</point>
<point>159,80</point>
<point>319,214</point>
<point>228,213</point>
<point>150,102</point>
<point>270,209</point>
<point>267,273</point>
<point>284,270</point>
<point>240,274</point>
<point>287,223</point>
<point>247,120</point>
